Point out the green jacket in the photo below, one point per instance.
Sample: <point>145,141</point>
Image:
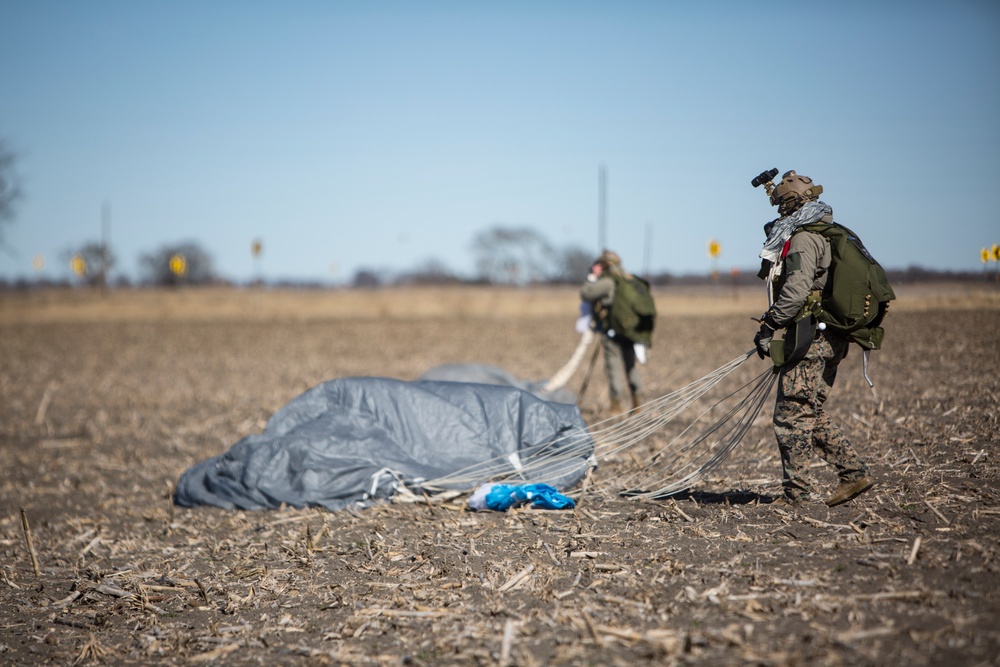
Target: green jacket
<point>806,269</point>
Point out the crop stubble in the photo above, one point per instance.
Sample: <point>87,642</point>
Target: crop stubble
<point>100,414</point>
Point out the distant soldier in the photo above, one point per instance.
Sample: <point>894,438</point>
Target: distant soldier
<point>796,265</point>
<point>624,315</point>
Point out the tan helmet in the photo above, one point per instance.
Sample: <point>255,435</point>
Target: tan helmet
<point>793,191</point>
<point>609,259</point>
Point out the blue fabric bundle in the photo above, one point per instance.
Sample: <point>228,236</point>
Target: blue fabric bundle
<point>502,497</point>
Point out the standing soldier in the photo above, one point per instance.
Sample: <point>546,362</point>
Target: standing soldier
<point>624,315</point>
<point>797,266</point>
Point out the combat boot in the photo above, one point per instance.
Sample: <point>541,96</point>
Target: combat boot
<point>850,490</point>
<point>616,407</point>
<point>636,401</point>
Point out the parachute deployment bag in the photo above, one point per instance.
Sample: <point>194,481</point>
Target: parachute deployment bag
<point>633,312</point>
<point>857,292</point>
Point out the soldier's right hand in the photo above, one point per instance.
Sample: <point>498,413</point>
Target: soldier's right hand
<point>762,341</point>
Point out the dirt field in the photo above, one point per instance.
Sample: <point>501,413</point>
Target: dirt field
<point>105,400</point>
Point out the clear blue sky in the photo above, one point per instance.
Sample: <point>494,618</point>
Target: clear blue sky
<point>385,134</point>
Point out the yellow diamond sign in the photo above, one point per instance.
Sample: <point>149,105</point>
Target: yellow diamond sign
<point>178,265</point>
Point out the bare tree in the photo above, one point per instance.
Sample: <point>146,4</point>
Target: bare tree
<point>573,264</point>
<point>513,255</point>
<point>10,187</point>
<point>430,272</point>
<point>179,264</point>
<point>99,260</point>
<point>365,277</point>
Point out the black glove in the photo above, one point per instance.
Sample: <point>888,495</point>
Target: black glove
<point>763,340</point>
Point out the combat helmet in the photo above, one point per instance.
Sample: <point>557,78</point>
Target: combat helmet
<point>611,263</point>
<point>793,191</point>
<point>609,259</point>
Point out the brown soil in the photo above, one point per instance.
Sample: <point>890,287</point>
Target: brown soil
<point>104,401</point>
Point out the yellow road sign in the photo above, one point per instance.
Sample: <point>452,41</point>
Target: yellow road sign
<point>178,265</point>
<point>79,265</point>
<point>256,247</point>
<point>996,252</point>
<point>984,255</point>
<point>714,248</point>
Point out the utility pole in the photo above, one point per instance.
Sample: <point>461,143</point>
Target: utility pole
<point>105,241</point>
<point>602,210</point>
<point>647,249</point>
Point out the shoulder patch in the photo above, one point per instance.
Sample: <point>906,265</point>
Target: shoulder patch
<point>793,262</point>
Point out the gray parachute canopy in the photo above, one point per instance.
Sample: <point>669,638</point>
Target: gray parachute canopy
<point>486,374</point>
<point>350,441</point>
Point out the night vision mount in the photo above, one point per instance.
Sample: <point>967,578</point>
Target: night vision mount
<point>765,178</point>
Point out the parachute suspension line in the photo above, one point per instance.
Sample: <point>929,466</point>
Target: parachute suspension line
<point>695,459</point>
<point>608,439</point>
<point>677,446</point>
<point>537,463</point>
<point>620,435</point>
<point>653,462</point>
<point>654,415</point>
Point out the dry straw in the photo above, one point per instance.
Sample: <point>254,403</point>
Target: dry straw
<point>27,539</point>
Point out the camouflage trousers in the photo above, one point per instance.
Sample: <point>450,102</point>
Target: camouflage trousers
<point>802,426</point>
<point>620,365</point>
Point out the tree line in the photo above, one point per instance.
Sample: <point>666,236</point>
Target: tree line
<point>504,255</point>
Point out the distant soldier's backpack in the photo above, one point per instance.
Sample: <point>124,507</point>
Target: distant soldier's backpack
<point>633,312</point>
<point>857,293</point>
